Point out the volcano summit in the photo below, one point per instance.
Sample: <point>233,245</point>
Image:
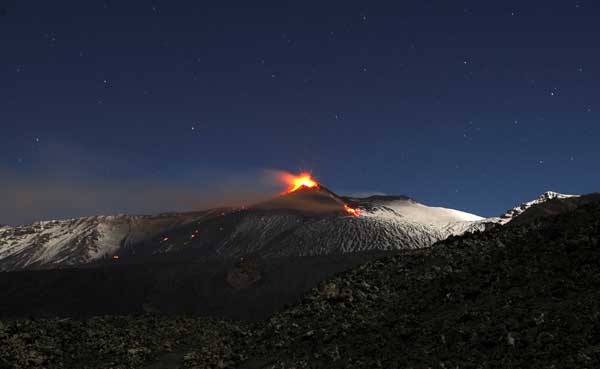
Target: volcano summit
<point>308,196</point>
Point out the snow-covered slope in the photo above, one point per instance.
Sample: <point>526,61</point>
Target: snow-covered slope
<point>292,225</point>
<point>403,207</point>
<point>80,241</point>
<point>406,210</point>
<point>308,222</point>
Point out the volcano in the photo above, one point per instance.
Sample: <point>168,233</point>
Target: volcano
<point>307,219</point>
<point>240,263</point>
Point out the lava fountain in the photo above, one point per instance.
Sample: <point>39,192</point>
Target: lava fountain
<point>297,182</point>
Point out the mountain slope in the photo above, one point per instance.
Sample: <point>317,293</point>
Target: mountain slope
<point>79,241</point>
<point>250,290</point>
<point>310,221</point>
<point>402,209</point>
<point>394,207</point>
<point>315,222</point>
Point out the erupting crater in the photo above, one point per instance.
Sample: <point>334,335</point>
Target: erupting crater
<point>305,181</point>
<point>297,182</point>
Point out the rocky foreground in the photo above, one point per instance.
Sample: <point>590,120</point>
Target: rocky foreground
<point>516,296</point>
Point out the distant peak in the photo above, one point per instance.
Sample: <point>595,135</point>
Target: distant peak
<point>549,195</point>
<point>546,196</point>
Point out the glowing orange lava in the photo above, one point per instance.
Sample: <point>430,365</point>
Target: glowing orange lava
<point>299,181</point>
<point>351,211</point>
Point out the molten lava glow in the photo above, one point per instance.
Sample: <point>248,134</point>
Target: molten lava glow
<point>299,181</point>
<point>351,211</point>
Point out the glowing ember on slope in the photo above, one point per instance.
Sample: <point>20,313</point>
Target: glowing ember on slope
<point>297,182</point>
<point>351,211</point>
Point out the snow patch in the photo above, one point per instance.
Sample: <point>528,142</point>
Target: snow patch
<point>516,211</point>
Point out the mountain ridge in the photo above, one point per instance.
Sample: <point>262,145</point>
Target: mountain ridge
<point>282,226</point>
<point>520,209</point>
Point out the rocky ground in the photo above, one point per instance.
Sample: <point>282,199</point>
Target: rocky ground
<point>248,290</point>
<point>118,342</point>
<point>518,296</point>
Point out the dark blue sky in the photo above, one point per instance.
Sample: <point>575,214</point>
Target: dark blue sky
<point>467,104</point>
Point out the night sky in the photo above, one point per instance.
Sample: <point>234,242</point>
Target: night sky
<point>142,106</point>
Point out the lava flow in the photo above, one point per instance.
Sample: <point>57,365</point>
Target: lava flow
<point>351,211</point>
